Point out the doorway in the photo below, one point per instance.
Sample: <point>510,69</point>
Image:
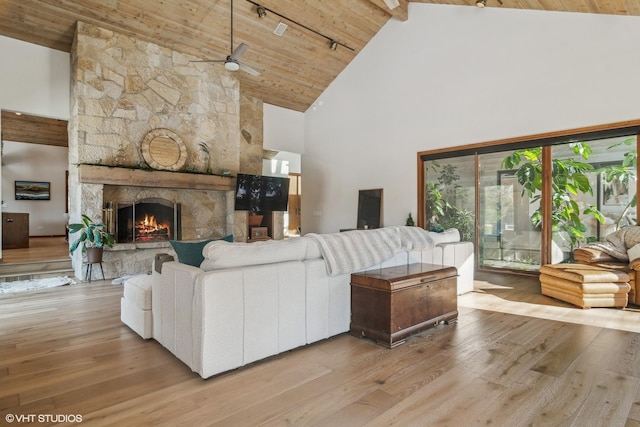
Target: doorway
<point>294,213</point>
<point>287,164</point>
<point>35,149</point>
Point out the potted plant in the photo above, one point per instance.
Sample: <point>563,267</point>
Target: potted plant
<point>255,218</point>
<point>410,222</point>
<point>93,239</point>
<point>255,202</point>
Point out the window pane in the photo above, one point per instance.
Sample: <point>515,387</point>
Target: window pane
<point>610,191</point>
<point>508,237</point>
<point>450,195</point>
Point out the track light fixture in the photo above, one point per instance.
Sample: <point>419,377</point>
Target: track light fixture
<point>262,11</point>
<point>483,3</point>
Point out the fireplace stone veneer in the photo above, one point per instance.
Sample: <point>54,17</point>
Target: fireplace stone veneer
<point>122,88</point>
<point>203,214</point>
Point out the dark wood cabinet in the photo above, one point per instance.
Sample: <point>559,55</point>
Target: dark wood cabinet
<point>258,234</point>
<point>15,230</point>
<point>389,304</point>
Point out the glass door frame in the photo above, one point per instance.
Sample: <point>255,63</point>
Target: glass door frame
<point>544,140</point>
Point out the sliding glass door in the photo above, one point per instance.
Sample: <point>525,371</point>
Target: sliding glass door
<point>507,238</point>
<point>526,204</point>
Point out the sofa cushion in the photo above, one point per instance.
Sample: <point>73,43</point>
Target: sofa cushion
<point>221,254</point>
<point>591,255</point>
<point>137,291</point>
<point>447,236</point>
<point>190,252</point>
<point>582,273</point>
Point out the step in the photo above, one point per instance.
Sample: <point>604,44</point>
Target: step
<point>36,269</point>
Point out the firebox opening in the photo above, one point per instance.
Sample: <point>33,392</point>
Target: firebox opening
<point>149,220</point>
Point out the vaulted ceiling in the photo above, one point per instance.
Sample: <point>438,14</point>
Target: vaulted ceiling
<point>294,68</point>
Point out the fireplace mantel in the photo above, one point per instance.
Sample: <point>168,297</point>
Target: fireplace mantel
<point>94,174</point>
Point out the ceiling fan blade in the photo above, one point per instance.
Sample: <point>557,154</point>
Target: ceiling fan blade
<point>242,48</point>
<point>232,63</point>
<point>248,69</point>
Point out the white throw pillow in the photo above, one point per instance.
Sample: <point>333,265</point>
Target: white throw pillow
<point>449,235</point>
<point>634,252</point>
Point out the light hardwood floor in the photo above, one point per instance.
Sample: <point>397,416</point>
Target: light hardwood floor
<point>513,358</point>
<point>40,249</point>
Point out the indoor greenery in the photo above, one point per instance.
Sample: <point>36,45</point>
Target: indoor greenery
<point>569,181</point>
<point>410,222</point>
<point>92,235</point>
<point>625,174</point>
<point>443,199</point>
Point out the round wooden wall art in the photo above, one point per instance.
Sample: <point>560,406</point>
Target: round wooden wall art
<point>163,149</point>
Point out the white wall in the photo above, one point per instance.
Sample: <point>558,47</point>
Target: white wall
<point>283,129</point>
<point>454,75</point>
<point>283,164</point>
<point>35,162</point>
<point>34,80</point>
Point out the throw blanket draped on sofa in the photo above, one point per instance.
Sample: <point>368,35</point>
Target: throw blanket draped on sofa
<point>358,249</point>
<point>621,244</point>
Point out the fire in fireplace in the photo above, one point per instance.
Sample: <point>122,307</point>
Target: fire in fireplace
<point>148,228</point>
<point>148,220</point>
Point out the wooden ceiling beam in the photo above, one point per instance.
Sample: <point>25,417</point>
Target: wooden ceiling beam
<point>34,129</point>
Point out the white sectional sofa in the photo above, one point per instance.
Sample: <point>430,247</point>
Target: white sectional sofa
<point>249,301</point>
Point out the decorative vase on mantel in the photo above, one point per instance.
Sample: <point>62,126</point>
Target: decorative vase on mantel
<point>255,219</point>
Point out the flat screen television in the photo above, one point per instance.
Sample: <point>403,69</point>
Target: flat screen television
<point>260,193</point>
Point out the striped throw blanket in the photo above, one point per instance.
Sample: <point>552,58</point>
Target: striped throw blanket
<point>355,250</point>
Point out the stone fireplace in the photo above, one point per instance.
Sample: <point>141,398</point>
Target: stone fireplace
<point>143,221</point>
<point>122,90</point>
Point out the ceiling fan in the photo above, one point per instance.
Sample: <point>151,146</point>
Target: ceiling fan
<point>232,62</point>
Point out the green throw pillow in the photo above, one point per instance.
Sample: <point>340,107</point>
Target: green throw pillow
<point>190,253</point>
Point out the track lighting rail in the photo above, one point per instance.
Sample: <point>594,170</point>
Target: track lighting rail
<point>333,43</point>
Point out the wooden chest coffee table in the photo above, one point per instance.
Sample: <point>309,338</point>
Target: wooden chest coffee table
<point>389,304</point>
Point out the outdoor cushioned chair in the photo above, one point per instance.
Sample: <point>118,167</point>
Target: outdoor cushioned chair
<point>596,257</point>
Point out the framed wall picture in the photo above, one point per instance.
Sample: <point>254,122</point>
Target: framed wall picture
<point>33,190</point>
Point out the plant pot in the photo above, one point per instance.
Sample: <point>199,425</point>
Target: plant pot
<point>255,220</point>
<point>94,255</point>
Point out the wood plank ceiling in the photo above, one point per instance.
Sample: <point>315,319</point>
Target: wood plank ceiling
<point>295,67</point>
